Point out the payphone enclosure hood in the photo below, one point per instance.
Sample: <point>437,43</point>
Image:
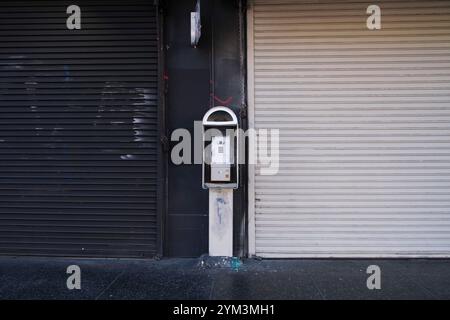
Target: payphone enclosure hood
<point>220,116</point>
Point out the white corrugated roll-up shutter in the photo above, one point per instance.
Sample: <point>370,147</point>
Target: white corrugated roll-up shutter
<point>364,119</point>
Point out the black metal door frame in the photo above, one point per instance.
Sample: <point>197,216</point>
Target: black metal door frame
<point>162,176</point>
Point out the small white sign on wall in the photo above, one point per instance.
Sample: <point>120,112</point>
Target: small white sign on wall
<point>196,25</point>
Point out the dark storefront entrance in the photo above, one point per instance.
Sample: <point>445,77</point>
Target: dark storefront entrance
<point>79,134</point>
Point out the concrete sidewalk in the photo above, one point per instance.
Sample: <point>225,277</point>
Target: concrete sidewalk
<point>45,278</point>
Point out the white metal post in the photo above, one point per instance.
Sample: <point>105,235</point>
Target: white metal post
<point>221,222</point>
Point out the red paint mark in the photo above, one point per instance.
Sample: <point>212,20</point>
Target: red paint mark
<point>223,102</point>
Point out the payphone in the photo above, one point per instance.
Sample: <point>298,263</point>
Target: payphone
<point>220,149</point>
<point>220,175</point>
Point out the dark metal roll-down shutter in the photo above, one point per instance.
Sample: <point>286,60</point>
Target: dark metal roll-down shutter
<point>78,129</point>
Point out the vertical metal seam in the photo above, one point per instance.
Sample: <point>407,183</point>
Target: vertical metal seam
<point>251,125</point>
<point>162,177</point>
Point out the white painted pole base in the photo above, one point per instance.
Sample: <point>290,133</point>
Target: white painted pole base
<point>221,222</point>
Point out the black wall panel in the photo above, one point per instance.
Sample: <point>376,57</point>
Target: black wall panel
<point>209,75</point>
<point>79,129</point>
<point>189,85</point>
